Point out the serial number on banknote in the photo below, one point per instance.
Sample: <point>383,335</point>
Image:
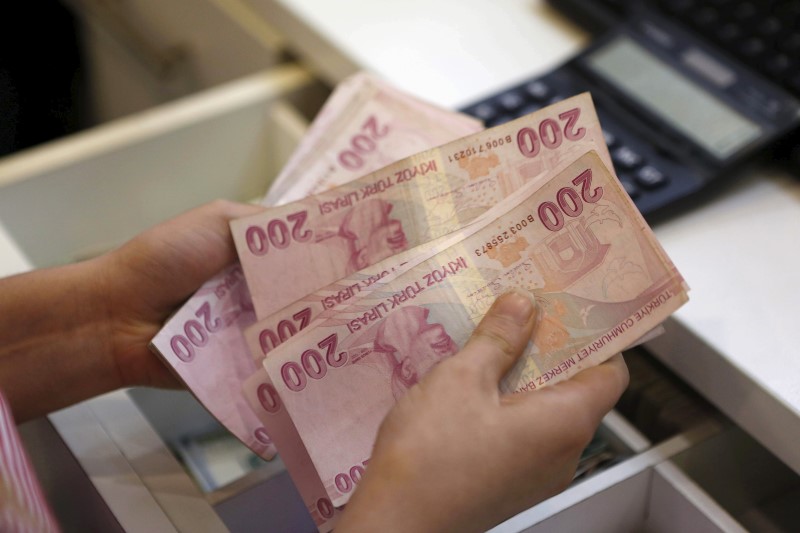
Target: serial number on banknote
<point>481,148</point>
<point>500,238</point>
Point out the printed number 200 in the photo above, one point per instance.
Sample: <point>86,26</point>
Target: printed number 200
<point>550,134</point>
<point>277,233</point>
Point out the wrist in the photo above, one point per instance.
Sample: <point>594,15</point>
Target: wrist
<point>56,339</point>
<point>90,333</point>
<point>130,294</point>
<point>103,290</point>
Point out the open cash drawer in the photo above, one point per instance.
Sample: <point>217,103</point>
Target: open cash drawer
<point>692,470</point>
<point>713,478</point>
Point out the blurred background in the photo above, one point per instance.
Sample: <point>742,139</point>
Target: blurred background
<point>66,65</point>
<point>43,86</point>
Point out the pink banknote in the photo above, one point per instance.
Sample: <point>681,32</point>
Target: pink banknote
<point>365,125</point>
<point>203,342</point>
<point>292,250</point>
<point>268,333</point>
<point>578,243</point>
<point>266,404</point>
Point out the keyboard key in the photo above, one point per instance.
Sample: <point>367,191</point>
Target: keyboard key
<point>729,32</point>
<point>753,47</point>
<point>770,26</point>
<point>610,138</point>
<point>778,64</point>
<point>484,112</point>
<point>511,101</point>
<point>625,158</point>
<point>538,90</point>
<point>650,177</point>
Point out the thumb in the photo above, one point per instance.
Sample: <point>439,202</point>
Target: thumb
<point>502,335</point>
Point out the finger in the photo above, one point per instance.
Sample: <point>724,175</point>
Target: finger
<point>502,335</point>
<point>199,241</point>
<point>228,210</point>
<point>206,236</point>
<point>588,395</point>
<point>169,261</point>
<point>602,384</point>
<point>214,218</point>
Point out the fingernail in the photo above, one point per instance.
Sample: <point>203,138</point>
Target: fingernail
<point>517,304</point>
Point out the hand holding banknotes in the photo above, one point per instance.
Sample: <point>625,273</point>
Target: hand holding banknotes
<point>388,235</point>
<point>453,434</point>
<point>72,332</point>
<point>360,290</point>
<point>455,454</point>
<point>155,272</point>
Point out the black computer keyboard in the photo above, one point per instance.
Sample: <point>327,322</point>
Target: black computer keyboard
<point>762,35</point>
<point>651,181</point>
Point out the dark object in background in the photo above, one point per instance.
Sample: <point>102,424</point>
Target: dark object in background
<point>765,35</point>
<point>657,402</point>
<point>42,84</point>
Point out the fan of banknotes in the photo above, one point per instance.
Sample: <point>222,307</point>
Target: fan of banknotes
<point>389,233</point>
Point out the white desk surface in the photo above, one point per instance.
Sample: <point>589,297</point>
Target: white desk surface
<point>449,52</point>
<point>736,339</point>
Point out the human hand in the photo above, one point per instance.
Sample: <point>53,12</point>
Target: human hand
<point>75,331</point>
<point>148,277</point>
<point>455,454</point>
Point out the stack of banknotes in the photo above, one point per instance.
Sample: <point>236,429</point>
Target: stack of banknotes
<point>387,236</point>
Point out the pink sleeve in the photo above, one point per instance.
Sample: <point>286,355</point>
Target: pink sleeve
<point>22,504</point>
